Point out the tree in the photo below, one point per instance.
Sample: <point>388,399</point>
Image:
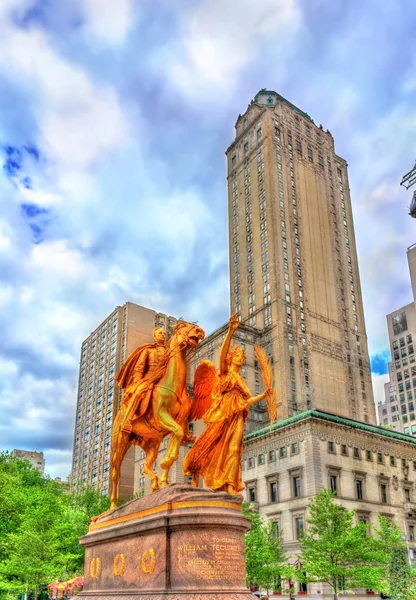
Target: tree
<point>39,527</point>
<point>83,505</point>
<point>266,561</point>
<point>33,553</point>
<point>333,549</point>
<point>401,577</point>
<point>387,538</point>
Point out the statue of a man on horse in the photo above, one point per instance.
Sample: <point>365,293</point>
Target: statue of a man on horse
<point>155,402</point>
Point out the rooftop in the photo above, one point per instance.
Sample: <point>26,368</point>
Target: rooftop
<point>301,112</point>
<point>324,416</point>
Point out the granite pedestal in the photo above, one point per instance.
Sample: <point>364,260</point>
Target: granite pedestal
<point>179,541</point>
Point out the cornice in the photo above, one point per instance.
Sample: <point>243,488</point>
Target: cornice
<point>343,422</point>
<point>296,429</point>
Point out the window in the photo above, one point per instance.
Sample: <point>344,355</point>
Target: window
<point>298,527</point>
<point>261,459</point>
<point>333,483</point>
<point>383,493</point>
<point>379,458</point>
<point>368,455</point>
<point>251,462</point>
<point>303,587</point>
<point>344,450</point>
<point>283,452</point>
<point>272,455</point>
<point>296,486</point>
<point>295,448</point>
<point>392,461</point>
<point>407,497</point>
<point>399,323</point>
<point>276,528</point>
<point>356,453</point>
<point>273,491</point>
<point>251,494</point>
<point>359,489</point>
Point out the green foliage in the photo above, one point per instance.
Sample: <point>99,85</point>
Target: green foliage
<point>333,549</point>
<point>39,527</point>
<point>387,538</point>
<point>400,574</point>
<point>266,561</point>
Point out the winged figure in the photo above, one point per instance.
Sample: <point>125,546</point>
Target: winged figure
<point>222,401</point>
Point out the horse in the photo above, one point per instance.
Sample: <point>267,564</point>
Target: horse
<point>167,412</point>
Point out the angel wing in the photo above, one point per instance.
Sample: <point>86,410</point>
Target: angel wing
<point>206,382</point>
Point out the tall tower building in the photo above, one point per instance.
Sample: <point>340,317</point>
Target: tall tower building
<point>398,409</point>
<point>293,259</point>
<point>102,354</point>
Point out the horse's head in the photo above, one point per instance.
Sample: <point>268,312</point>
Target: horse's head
<point>187,335</point>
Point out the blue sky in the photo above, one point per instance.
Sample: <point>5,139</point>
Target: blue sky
<point>114,119</point>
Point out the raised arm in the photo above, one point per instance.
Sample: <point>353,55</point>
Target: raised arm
<point>233,325</point>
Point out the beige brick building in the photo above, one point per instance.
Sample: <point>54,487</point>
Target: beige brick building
<point>398,409</point>
<point>293,260</point>
<point>372,470</point>
<point>102,355</point>
<point>36,459</point>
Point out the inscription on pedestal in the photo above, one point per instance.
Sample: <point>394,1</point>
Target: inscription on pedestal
<point>216,559</point>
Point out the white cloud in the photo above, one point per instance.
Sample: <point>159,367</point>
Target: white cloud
<point>5,235</point>
<point>57,259</point>
<point>345,104</point>
<point>221,38</point>
<point>79,121</point>
<point>107,21</point>
<point>58,463</point>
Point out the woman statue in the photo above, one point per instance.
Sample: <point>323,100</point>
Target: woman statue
<point>223,402</point>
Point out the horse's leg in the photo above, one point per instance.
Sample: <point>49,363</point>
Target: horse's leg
<point>151,447</point>
<point>195,479</point>
<point>120,446</point>
<point>172,452</point>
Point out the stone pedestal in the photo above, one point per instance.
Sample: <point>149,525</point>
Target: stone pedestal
<point>177,542</point>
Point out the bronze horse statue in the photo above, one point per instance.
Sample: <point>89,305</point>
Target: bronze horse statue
<point>167,407</point>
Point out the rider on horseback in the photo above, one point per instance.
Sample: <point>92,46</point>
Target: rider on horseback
<point>137,377</point>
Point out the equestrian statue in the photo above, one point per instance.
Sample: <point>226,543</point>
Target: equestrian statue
<point>155,402</point>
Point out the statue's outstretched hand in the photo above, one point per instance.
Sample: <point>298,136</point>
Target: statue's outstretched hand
<point>234,322</point>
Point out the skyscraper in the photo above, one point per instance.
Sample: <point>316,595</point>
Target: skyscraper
<point>293,259</point>
<point>102,354</point>
<point>398,410</point>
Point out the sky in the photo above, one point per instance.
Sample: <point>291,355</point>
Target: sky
<point>114,120</point>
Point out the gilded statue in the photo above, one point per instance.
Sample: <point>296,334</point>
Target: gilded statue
<point>137,377</point>
<point>223,401</point>
<point>155,402</point>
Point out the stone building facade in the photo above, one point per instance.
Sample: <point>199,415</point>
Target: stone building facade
<point>36,459</point>
<point>372,470</point>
